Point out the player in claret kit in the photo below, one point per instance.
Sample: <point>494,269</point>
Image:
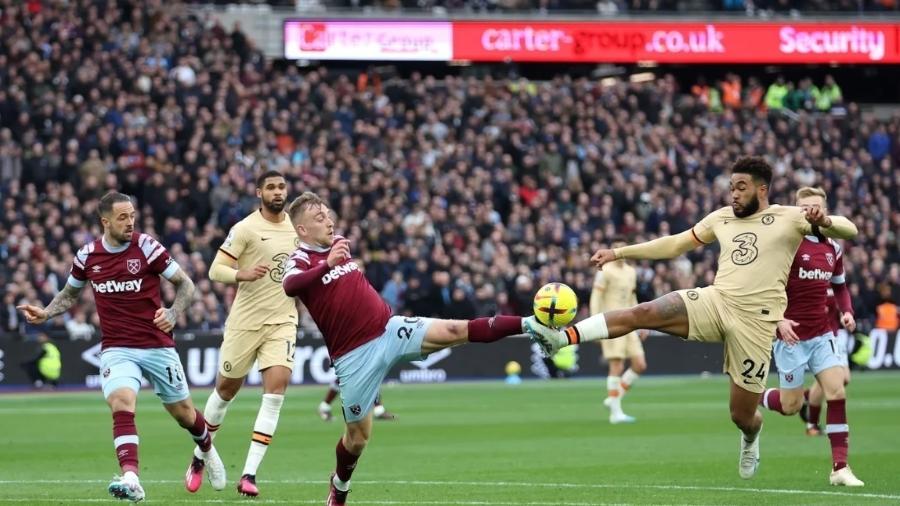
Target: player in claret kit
<point>364,340</point>
<point>806,340</point>
<point>840,315</point>
<point>743,305</point>
<point>124,267</point>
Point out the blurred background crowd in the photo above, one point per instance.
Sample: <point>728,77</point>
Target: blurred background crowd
<point>605,7</point>
<point>461,195</point>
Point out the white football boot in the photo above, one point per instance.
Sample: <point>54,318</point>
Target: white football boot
<point>845,477</point>
<point>549,340</point>
<point>749,458</point>
<point>126,487</point>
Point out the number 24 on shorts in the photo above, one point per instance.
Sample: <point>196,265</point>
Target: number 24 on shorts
<point>748,372</point>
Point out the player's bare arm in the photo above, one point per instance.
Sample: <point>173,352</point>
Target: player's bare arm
<point>66,298</point>
<point>663,248</point>
<point>166,317</point>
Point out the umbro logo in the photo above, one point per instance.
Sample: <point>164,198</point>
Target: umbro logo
<point>97,268</point>
<point>805,257</point>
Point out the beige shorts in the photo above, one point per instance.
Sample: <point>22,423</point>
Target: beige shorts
<point>748,339</point>
<point>623,347</point>
<point>269,345</point>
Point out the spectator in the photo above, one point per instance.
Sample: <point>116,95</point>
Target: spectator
<point>78,327</point>
<point>776,94</point>
<point>45,368</point>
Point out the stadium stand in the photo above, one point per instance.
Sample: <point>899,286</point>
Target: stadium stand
<point>460,195</point>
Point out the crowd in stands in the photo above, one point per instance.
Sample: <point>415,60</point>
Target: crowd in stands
<point>460,196</point>
<point>605,7</point>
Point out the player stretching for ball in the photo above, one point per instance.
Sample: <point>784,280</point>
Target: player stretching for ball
<point>744,303</point>
<point>262,324</point>
<point>614,288</point>
<point>363,339</point>
<point>805,338</point>
<point>124,267</point>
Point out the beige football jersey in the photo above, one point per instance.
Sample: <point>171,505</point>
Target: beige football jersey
<point>755,256</point>
<point>614,287</point>
<point>255,240</point>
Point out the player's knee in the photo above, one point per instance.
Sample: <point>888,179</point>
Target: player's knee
<point>643,312</point>
<point>457,331</point>
<point>791,405</point>
<point>835,392</point>
<point>742,418</point>
<point>639,365</point>
<point>227,388</point>
<point>356,441</point>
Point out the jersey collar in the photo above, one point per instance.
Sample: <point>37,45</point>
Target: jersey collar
<point>310,247</point>
<point>113,249</point>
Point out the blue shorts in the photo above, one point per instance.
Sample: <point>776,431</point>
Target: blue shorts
<point>816,354</point>
<point>123,368</point>
<point>361,371</point>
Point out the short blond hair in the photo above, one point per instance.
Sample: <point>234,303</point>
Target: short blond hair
<point>302,203</point>
<point>809,191</point>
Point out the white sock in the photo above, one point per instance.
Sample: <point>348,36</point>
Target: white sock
<point>214,413</point>
<point>615,401</point>
<point>325,407</point>
<point>592,329</point>
<point>343,486</point>
<point>628,380</point>
<point>263,430</point>
<point>130,477</point>
<point>378,410</point>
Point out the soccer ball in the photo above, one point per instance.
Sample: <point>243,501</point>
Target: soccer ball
<point>555,305</point>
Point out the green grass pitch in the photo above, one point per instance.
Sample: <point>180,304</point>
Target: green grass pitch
<point>539,443</point>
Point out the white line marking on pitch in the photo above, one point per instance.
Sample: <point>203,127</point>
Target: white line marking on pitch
<point>514,484</point>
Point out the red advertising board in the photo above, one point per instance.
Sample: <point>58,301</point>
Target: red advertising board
<point>673,42</point>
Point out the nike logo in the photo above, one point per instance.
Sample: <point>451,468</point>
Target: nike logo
<point>264,238</point>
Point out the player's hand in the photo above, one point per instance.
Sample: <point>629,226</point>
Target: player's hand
<point>643,334</point>
<point>815,216</point>
<point>602,257</point>
<point>165,319</point>
<point>848,322</point>
<point>253,273</point>
<point>33,314</point>
<point>786,330</point>
<point>339,252</point>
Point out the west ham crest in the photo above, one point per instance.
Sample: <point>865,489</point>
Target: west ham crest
<point>133,265</point>
<point>830,258</point>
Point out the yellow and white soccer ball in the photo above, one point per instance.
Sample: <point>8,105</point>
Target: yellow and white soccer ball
<point>555,305</point>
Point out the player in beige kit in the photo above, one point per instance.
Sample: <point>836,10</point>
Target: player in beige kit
<point>758,242</point>
<point>262,323</point>
<point>615,287</point>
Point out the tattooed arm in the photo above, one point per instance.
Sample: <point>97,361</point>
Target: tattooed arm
<point>166,317</point>
<point>65,299</point>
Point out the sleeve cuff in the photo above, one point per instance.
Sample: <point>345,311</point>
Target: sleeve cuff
<point>77,283</point>
<point>171,270</point>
